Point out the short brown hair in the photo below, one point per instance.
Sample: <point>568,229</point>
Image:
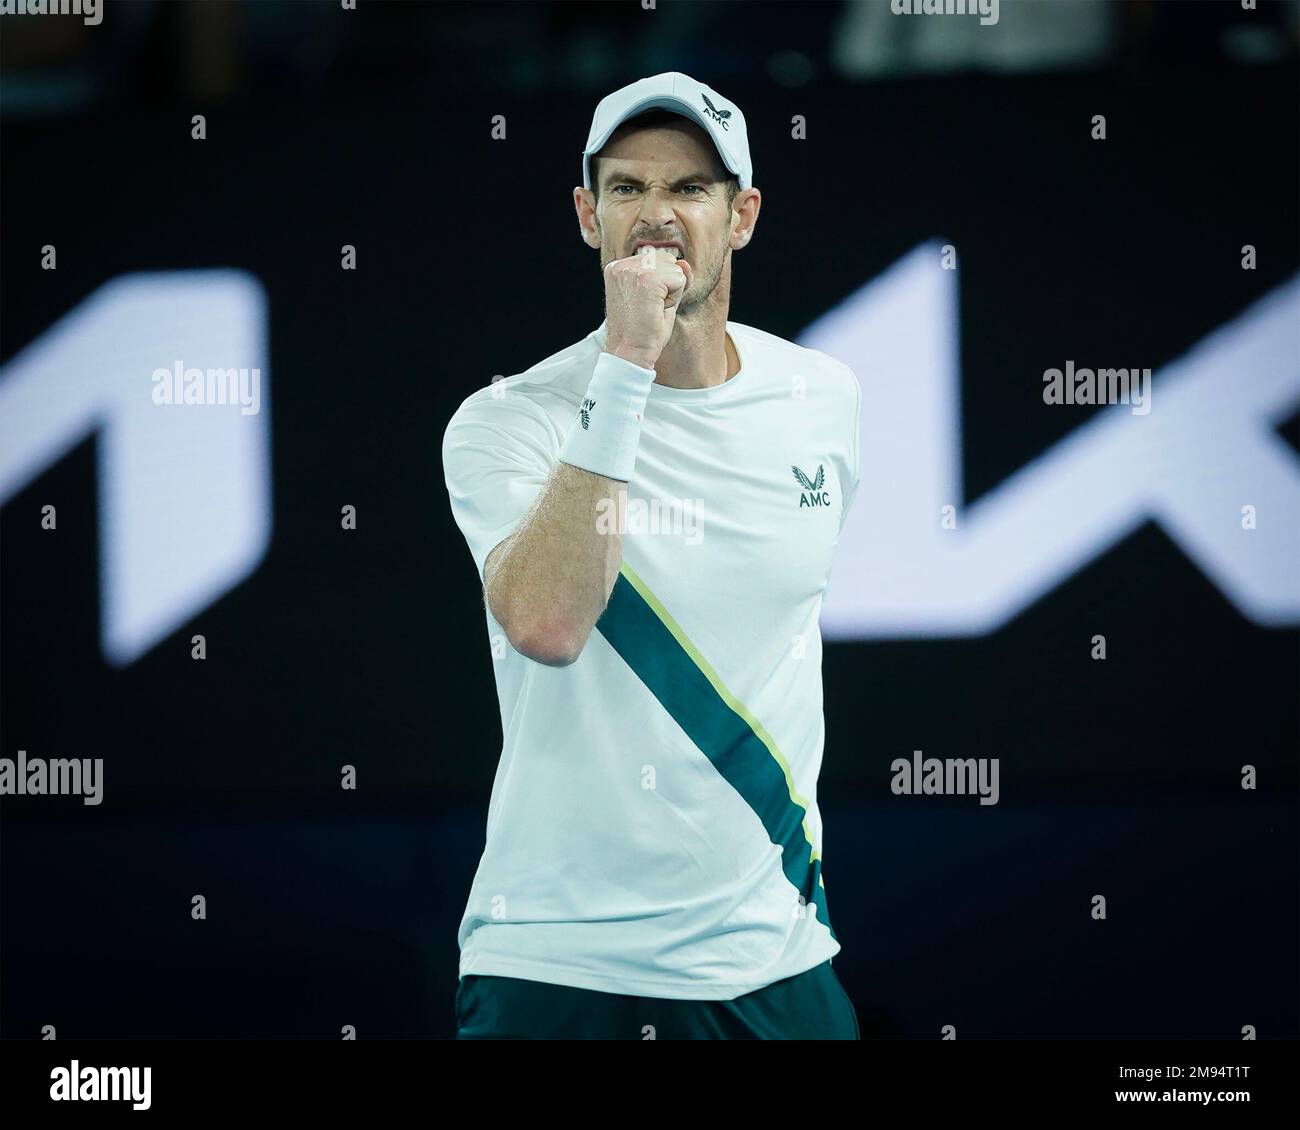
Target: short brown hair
<point>651,119</point>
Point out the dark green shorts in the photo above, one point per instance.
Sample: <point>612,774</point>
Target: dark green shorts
<point>809,1006</point>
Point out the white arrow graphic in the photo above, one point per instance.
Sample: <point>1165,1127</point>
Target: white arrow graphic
<point>1207,448</point>
<point>184,490</point>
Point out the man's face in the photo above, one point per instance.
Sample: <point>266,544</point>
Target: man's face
<point>661,184</point>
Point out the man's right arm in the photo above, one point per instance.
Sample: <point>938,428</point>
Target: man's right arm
<point>548,583</point>
<point>541,518</point>
<point>549,580</point>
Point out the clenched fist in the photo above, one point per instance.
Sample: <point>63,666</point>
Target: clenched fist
<point>641,297</point>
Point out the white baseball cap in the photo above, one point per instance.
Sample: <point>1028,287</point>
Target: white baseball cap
<point>681,94</point>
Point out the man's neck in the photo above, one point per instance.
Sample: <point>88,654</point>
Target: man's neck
<point>699,354</point>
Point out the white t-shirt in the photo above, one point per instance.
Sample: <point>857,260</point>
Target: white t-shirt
<point>653,828</point>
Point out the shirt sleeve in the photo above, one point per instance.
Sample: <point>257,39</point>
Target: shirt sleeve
<point>496,456</point>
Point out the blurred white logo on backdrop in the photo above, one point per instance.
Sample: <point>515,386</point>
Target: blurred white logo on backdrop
<point>184,496</point>
<point>1208,450</point>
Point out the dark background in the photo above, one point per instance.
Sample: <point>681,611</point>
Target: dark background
<point>368,648</point>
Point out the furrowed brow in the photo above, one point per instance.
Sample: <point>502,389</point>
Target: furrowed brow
<point>637,182</point>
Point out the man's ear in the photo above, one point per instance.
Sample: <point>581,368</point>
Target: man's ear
<point>745,207</point>
<point>584,203</point>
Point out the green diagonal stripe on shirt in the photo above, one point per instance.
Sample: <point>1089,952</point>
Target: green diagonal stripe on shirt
<point>653,644</point>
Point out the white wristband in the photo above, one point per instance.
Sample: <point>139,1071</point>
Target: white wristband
<point>607,429</point>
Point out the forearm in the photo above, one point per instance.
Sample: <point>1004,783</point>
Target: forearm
<point>556,572</point>
<point>548,583</point>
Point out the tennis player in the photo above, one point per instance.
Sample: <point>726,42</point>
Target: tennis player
<point>653,511</point>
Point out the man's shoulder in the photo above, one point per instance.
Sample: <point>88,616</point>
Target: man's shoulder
<point>786,353</point>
